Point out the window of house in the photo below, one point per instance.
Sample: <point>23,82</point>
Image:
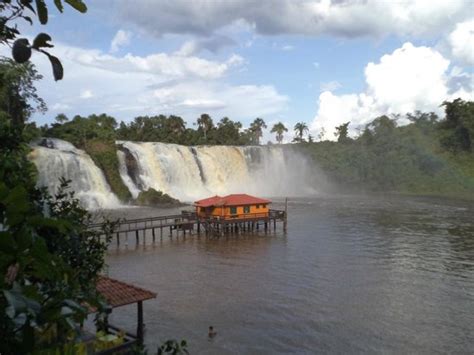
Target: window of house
<point>233,210</point>
<point>258,206</point>
<point>246,209</point>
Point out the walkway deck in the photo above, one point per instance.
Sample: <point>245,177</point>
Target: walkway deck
<point>187,221</point>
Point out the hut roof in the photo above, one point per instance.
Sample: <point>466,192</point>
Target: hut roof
<point>118,293</point>
<point>231,200</point>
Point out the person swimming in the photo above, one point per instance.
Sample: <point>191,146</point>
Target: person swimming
<point>212,332</point>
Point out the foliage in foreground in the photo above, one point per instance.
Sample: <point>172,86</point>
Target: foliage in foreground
<point>49,259</point>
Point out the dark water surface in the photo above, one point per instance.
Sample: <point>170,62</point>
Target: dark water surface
<point>352,275</point>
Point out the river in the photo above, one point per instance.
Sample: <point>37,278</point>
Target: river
<point>353,274</point>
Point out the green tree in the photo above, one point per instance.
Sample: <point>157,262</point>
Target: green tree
<point>300,129</point>
<point>457,129</point>
<point>227,132</point>
<point>342,132</point>
<point>279,128</point>
<point>61,118</point>
<point>205,124</point>
<point>256,129</point>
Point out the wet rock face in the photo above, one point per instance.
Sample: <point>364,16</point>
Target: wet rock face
<point>132,167</point>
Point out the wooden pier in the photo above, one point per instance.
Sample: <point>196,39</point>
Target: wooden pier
<point>189,222</point>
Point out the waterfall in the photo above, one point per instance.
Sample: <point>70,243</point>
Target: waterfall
<point>185,173</point>
<point>55,158</point>
<point>190,173</point>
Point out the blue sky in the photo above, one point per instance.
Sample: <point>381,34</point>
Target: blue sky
<point>320,62</point>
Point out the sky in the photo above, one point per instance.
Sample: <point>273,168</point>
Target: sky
<point>321,62</point>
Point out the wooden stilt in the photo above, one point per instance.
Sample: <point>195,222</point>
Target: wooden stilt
<point>140,322</point>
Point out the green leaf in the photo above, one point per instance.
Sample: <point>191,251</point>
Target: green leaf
<point>59,5</point>
<point>42,11</point>
<point>27,4</point>
<point>78,5</point>
<point>58,70</point>
<point>28,18</point>
<point>42,40</point>
<point>7,243</point>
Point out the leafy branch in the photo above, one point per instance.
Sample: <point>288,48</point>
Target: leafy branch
<point>21,48</point>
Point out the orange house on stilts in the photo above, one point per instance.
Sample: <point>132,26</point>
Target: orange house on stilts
<point>235,213</point>
<point>232,207</point>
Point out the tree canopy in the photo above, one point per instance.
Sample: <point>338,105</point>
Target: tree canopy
<point>279,128</point>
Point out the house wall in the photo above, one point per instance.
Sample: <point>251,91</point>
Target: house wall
<point>255,211</point>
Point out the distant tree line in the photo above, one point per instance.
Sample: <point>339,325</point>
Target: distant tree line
<point>429,155</point>
<point>161,128</point>
<point>168,129</point>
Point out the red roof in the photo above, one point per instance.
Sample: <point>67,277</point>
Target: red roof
<point>118,293</point>
<point>231,200</point>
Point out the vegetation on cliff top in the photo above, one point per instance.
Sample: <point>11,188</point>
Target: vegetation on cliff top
<point>104,155</point>
<point>151,197</point>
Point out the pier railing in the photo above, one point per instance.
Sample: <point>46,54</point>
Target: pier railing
<point>187,220</point>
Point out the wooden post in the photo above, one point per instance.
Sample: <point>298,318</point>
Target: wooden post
<point>153,233</point>
<point>140,322</point>
<point>136,235</point>
<point>285,220</point>
<point>118,239</point>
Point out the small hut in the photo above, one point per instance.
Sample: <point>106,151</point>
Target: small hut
<point>232,207</point>
<point>117,294</point>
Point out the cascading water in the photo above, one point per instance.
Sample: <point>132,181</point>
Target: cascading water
<point>185,173</point>
<point>55,158</point>
<point>190,173</point>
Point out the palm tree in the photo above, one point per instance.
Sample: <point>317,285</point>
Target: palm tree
<point>300,129</point>
<point>256,128</point>
<point>279,128</point>
<point>205,123</point>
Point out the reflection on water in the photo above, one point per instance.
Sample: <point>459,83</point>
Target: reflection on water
<point>353,274</point>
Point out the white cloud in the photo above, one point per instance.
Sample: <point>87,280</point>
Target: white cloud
<point>213,44</point>
<point>169,65</point>
<point>59,107</point>
<point>411,78</point>
<point>461,41</point>
<point>330,86</point>
<point>346,18</point>
<point>237,102</point>
<point>86,94</point>
<point>287,47</point>
<point>122,38</point>
<point>128,86</point>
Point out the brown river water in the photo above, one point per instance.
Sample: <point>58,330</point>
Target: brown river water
<point>353,274</point>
